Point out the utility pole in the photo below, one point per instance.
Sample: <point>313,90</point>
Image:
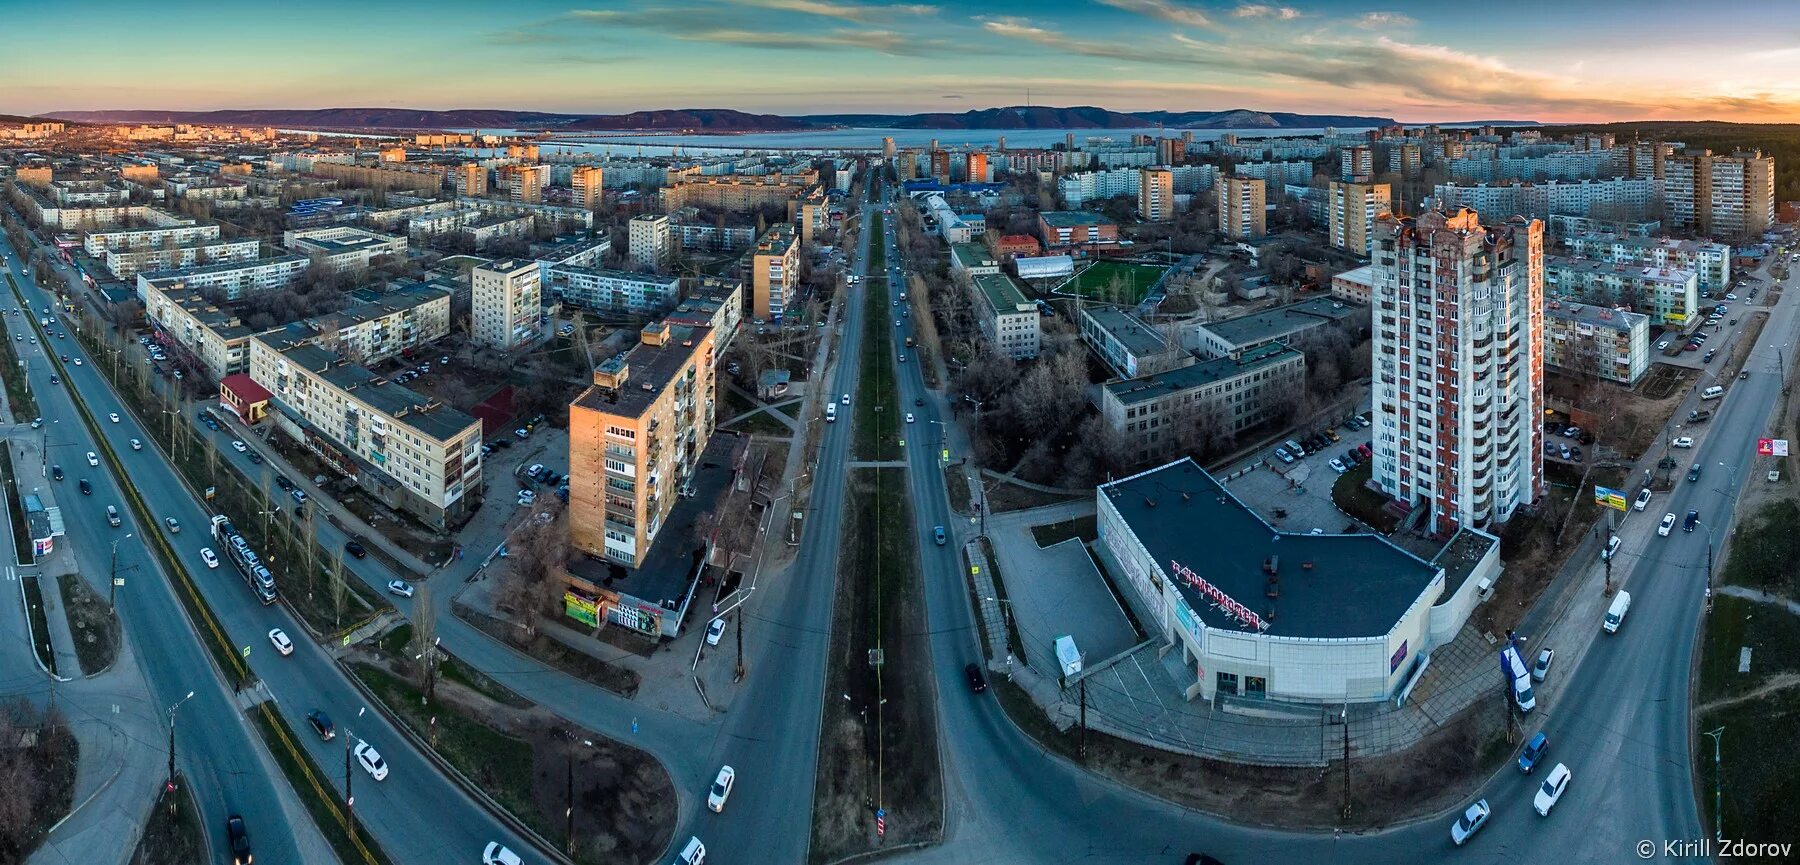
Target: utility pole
<point>569,812</point>
<point>190,695</point>
<point>1346,719</point>
<point>349,797</point>
<point>739,676</point>
<point>1718,795</point>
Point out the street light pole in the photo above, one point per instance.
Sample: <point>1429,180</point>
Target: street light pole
<point>1718,794</point>
<point>190,695</point>
<point>112,587</point>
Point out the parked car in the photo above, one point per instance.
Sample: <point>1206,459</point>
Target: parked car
<point>1338,466</point>
<point>1542,668</point>
<point>1470,822</point>
<point>1612,548</point>
<point>1283,455</point>
<point>1534,751</point>
<point>1682,442</point>
<point>714,631</point>
<point>1643,498</point>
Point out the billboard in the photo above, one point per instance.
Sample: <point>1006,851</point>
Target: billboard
<point>581,609</point>
<point>1608,497</point>
<point>1771,447</point>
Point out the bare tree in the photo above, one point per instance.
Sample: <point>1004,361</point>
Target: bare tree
<point>339,588</point>
<point>424,636</point>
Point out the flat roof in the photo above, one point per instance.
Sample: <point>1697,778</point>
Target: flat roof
<point>1001,293</point>
<point>1648,273</point>
<point>407,407</point>
<point>222,267</point>
<point>1073,218</point>
<point>1138,338</point>
<point>1275,323</point>
<point>651,368</point>
<point>1331,586</point>
<point>1132,391</point>
<point>972,254</point>
<point>1364,275</point>
<point>1622,320</point>
<point>226,324</point>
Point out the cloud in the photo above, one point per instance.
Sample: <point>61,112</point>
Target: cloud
<point>1263,10</point>
<point>883,41</point>
<point>845,11</point>
<point>1163,10</point>
<point>704,24</point>
<point>1384,20</point>
<point>1019,28</point>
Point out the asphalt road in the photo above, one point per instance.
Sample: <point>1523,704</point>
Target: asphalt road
<point>214,738</point>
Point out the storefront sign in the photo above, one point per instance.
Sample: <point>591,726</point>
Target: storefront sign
<point>1398,658</point>
<point>1221,600</point>
<point>581,609</point>
<point>1609,498</point>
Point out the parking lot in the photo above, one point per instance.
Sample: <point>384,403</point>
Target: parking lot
<point>1296,496</point>
<point>1723,318</point>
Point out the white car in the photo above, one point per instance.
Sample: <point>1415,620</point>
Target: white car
<point>1337,465</point>
<point>114,417</point>
<point>238,446</point>
<point>93,458</point>
<point>1612,548</point>
<point>137,445</point>
<point>721,789</point>
<point>846,399</point>
<point>1668,522</point>
<point>400,587</point>
<point>282,644</point>
<point>1551,790</point>
<point>1471,821</point>
<point>714,631</point>
<point>1662,345</point>
<point>212,561</point>
<point>1682,442</point>
<point>1642,500</point>
<point>692,853</point>
<point>498,855</point>
<point>78,361</point>
<point>909,417</point>
<point>371,761</point>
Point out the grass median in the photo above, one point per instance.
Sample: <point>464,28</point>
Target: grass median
<point>22,548</point>
<point>878,418</point>
<point>172,833</point>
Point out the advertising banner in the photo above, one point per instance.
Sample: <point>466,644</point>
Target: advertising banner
<point>581,609</point>
<point>1608,497</point>
<point>1771,447</point>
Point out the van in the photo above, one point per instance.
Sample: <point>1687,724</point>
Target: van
<point>1713,392</point>
<point>1615,614</point>
<point>1513,667</point>
<point>1294,448</point>
<point>830,412</point>
<point>112,516</point>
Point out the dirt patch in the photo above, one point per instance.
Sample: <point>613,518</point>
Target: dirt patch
<point>172,833</point>
<point>878,749</point>
<point>40,622</point>
<point>1430,777</point>
<point>624,801</point>
<point>1003,496</point>
<point>1351,493</point>
<point>1535,544</point>
<point>92,624</point>
<point>612,677</point>
<point>1050,534</point>
<point>40,776</point>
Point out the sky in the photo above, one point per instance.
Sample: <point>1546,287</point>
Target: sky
<point>1572,61</point>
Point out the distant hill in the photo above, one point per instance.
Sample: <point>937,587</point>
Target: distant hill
<point>702,119</point>
<point>726,120</point>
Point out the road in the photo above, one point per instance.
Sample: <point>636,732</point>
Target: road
<point>214,737</point>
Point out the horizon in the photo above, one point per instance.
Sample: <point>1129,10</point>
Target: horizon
<point>1413,61</point>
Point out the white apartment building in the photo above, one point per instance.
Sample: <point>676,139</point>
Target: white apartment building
<point>1587,339</point>
<point>406,316</point>
<point>507,296</point>
<point>648,238</point>
<point>236,279</point>
<point>574,251</point>
<point>1459,365</point>
<point>127,263</point>
<point>341,247</point>
<point>1731,196</point>
<point>614,292</point>
<point>1669,296</point>
<point>1008,320</point>
<point>1625,198</point>
<point>164,228</point>
<point>1710,262</point>
<point>411,451</point>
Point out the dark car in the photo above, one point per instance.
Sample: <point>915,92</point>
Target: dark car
<point>938,533</point>
<point>1694,473</point>
<point>56,472</point>
<point>977,682</point>
<point>355,549</point>
<point>1534,751</point>
<point>321,724</point>
<point>255,458</point>
<point>919,402</point>
<point>87,489</point>
<point>283,482</point>
<point>240,840</point>
<point>1693,519</point>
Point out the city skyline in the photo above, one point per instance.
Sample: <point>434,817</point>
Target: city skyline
<point>1411,60</point>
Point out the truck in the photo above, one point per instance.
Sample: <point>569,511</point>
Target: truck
<point>236,547</point>
<point>1513,668</point>
<point>1700,415</point>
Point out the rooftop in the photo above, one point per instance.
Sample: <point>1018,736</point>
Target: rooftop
<point>649,367</point>
<point>170,276</point>
<point>1692,246</point>
<point>508,265</point>
<point>1637,271</point>
<point>1138,338</point>
<point>1622,320</point>
<point>1364,275</point>
<point>1331,586</point>
<point>1271,324</point>
<point>1147,388</point>
<point>1002,295</point>
<point>427,416</point>
<point>219,321</point>
<point>972,254</point>
<point>1073,218</point>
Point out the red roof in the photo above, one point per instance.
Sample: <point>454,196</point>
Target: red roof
<point>246,388</point>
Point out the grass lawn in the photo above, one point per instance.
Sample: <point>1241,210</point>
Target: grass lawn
<point>1772,635</point>
<point>172,833</point>
<point>92,624</point>
<point>1096,281</point>
<point>619,680</point>
<point>1357,500</point>
<point>1761,768</point>
<point>877,402</point>
<point>1050,534</point>
<point>763,424</point>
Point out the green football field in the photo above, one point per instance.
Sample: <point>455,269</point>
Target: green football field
<point>1096,281</point>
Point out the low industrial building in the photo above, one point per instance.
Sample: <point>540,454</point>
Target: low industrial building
<point>1263,613</point>
<point>1129,346</point>
<point>1354,286</point>
<point>1077,230</point>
